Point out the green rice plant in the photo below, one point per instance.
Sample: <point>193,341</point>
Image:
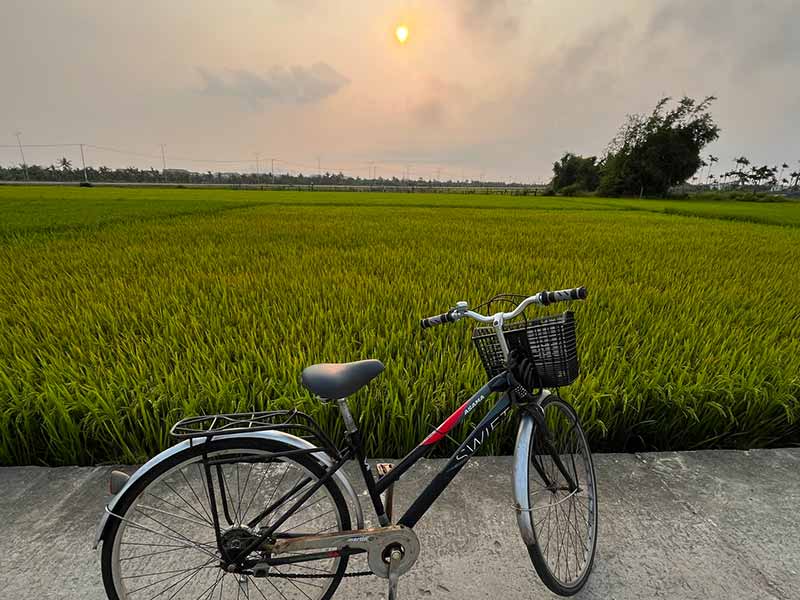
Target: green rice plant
<point>122,311</point>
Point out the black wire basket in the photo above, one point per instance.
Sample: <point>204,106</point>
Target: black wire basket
<point>549,343</point>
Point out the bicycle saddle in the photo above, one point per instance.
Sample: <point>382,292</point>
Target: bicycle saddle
<point>332,381</point>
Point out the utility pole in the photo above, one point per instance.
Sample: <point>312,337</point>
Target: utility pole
<point>164,163</point>
<point>319,168</point>
<point>22,154</point>
<point>83,162</point>
<point>257,167</point>
<point>272,169</point>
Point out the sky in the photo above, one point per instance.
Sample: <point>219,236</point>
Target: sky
<point>487,89</point>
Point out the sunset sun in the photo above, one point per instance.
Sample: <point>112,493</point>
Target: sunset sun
<point>401,33</point>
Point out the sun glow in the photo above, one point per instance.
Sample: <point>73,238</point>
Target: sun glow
<point>401,33</point>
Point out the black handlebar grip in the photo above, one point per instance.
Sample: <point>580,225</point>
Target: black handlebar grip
<point>563,295</point>
<point>438,320</point>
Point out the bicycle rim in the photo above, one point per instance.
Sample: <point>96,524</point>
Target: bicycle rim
<point>564,520</point>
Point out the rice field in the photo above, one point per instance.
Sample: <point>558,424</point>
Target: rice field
<point>123,310</point>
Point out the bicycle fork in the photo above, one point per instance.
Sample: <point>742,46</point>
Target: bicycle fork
<point>543,433</point>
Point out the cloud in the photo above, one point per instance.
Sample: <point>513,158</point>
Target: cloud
<point>442,101</point>
<point>489,18</point>
<point>295,85</point>
<point>753,37</point>
<point>429,113</point>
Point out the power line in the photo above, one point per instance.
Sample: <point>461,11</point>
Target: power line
<point>119,151</point>
<point>422,168</point>
<point>40,145</point>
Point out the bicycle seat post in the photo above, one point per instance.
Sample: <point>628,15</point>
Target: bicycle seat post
<point>357,446</point>
<point>349,422</point>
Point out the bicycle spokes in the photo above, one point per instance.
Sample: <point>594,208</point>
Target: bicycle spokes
<point>562,499</point>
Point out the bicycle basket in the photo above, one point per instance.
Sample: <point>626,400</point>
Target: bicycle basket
<point>548,341</point>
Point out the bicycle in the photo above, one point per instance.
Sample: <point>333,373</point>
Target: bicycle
<point>257,505</point>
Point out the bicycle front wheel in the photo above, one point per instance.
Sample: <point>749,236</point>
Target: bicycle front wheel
<point>162,541</point>
<point>557,492</point>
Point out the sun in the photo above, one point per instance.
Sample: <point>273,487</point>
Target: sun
<point>401,33</point>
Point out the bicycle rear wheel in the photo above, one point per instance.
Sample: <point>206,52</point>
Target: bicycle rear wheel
<point>162,540</point>
<point>558,521</point>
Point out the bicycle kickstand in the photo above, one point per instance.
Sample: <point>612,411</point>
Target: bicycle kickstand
<point>394,558</point>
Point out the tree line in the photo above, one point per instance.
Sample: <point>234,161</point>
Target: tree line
<point>652,154</point>
<point>63,170</point>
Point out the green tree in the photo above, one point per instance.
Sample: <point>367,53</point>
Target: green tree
<point>783,166</point>
<point>575,172</point>
<point>711,160</point>
<point>652,153</point>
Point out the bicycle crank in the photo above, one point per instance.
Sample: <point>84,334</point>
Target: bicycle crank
<point>394,545</point>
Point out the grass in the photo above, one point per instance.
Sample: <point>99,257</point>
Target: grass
<point>27,211</point>
<point>123,310</point>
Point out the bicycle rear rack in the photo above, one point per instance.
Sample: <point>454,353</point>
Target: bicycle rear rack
<point>291,421</point>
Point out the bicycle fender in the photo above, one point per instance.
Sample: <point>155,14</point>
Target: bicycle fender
<point>276,436</point>
<point>522,501</point>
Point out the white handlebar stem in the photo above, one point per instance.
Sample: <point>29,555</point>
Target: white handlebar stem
<point>461,310</point>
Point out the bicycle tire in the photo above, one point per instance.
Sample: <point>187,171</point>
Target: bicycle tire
<point>110,556</point>
<point>548,514</point>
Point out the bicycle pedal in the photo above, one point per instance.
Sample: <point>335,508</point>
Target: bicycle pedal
<point>383,468</point>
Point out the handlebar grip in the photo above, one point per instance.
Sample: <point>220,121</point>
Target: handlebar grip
<point>578,293</point>
<point>441,319</point>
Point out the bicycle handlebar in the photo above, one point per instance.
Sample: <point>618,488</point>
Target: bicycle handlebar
<point>544,298</point>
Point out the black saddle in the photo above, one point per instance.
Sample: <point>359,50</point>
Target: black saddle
<point>338,380</point>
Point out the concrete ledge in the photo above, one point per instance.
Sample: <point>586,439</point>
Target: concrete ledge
<point>712,524</point>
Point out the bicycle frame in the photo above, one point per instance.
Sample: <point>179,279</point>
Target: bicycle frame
<point>460,457</point>
<point>354,450</point>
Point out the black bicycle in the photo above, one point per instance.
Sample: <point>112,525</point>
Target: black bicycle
<point>257,505</point>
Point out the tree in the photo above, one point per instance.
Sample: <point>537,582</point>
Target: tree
<point>576,172</point>
<point>711,160</point>
<point>763,176</point>
<point>652,153</point>
<point>65,164</point>
<point>740,173</point>
<point>780,175</point>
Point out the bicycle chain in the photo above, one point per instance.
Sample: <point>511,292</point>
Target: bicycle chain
<point>309,576</point>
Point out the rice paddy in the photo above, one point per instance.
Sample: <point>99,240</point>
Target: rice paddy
<point>123,310</point>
